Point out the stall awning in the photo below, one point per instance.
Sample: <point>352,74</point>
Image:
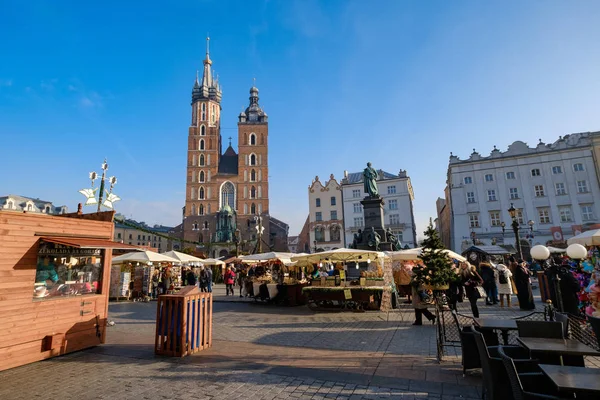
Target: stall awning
<point>85,243</point>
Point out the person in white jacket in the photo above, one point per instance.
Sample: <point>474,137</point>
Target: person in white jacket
<point>503,283</point>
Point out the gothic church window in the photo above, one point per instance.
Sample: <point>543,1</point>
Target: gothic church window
<point>252,192</point>
<point>201,211</point>
<point>252,159</point>
<point>253,208</point>
<point>201,146</point>
<point>228,195</point>
<point>201,163</point>
<point>201,193</point>
<point>202,130</point>
<point>203,112</point>
<point>253,175</point>
<point>252,139</point>
<point>201,178</point>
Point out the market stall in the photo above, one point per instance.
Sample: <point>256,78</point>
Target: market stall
<point>274,277</point>
<point>332,288</point>
<point>54,288</point>
<point>131,274</point>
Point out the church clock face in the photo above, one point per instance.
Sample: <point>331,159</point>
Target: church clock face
<point>473,256</point>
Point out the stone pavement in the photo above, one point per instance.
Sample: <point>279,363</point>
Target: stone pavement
<point>260,351</point>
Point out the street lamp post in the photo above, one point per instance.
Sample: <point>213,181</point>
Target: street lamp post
<point>515,225</point>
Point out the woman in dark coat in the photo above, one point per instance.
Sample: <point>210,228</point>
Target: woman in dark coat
<point>569,289</point>
<point>470,279</point>
<point>521,276</point>
<point>489,282</point>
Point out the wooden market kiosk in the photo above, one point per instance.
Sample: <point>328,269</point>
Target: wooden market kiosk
<point>54,283</point>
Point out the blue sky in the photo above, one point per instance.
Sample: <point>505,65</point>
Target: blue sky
<point>397,83</point>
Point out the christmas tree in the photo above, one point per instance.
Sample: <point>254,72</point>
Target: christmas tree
<point>436,269</point>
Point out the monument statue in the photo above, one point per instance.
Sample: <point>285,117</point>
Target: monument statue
<point>357,239</point>
<point>373,238</point>
<point>370,181</point>
<point>393,240</point>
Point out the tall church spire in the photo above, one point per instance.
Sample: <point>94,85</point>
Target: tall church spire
<point>208,87</point>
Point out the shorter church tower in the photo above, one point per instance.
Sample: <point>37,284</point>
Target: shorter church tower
<point>253,160</point>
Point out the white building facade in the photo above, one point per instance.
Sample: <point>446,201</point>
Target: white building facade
<point>398,196</point>
<point>552,186</point>
<point>30,204</point>
<point>326,226</point>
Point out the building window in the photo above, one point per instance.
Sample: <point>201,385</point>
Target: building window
<point>334,214</point>
<point>201,193</point>
<point>202,130</point>
<point>318,202</point>
<point>539,190</point>
<point>355,193</point>
<point>252,139</point>
<point>253,209</point>
<point>201,145</point>
<point>118,236</point>
<point>560,189</point>
<point>318,216</point>
<point>394,219</point>
<point>357,208</point>
<point>253,176</point>
<point>489,177</point>
<point>470,197</point>
<point>514,193</point>
<point>201,176</point>
<point>227,195</point>
<point>535,172</point>
<point>391,189</point>
<point>332,200</point>
<point>334,233</point>
<point>358,222</point>
<point>587,213</point>
<point>582,187</point>
<point>393,204</point>
<point>139,237</point>
<point>474,220</point>
<point>468,180</point>
<point>565,214</point>
<point>510,175</point>
<point>495,218</point>
<point>578,167</point>
<point>130,236</point>
<point>544,214</point>
<point>491,195</point>
<point>252,192</point>
<point>319,234</point>
<point>201,163</point>
<point>252,159</point>
<point>557,170</point>
<point>519,217</point>
<point>203,112</point>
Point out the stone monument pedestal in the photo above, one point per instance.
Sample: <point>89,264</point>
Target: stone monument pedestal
<point>373,215</point>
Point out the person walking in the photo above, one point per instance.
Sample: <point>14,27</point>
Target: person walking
<point>470,279</point>
<point>504,284</point>
<point>191,277</point>
<point>209,279</point>
<point>420,300</point>
<point>241,280</point>
<point>203,279</point>
<point>229,279</point>
<point>521,276</point>
<point>489,282</point>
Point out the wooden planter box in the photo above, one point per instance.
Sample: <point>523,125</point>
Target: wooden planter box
<point>183,323</point>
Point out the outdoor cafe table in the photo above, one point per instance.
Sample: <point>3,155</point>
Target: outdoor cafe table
<point>583,381</point>
<point>557,346</point>
<point>502,325</point>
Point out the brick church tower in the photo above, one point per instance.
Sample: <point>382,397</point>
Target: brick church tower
<point>225,191</point>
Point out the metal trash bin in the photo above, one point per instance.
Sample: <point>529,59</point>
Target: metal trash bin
<point>183,322</point>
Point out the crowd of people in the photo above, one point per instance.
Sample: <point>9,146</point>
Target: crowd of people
<point>496,283</point>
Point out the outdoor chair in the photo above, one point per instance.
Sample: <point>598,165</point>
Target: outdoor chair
<point>564,318</point>
<point>545,330</point>
<point>494,374</point>
<point>522,383</point>
<point>469,352</point>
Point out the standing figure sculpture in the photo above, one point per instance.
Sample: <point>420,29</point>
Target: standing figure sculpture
<point>396,245</point>
<point>370,181</point>
<point>358,237</point>
<point>373,239</point>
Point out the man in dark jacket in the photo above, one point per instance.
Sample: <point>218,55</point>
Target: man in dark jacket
<point>191,277</point>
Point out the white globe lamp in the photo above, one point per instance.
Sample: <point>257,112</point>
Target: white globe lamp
<point>540,252</point>
<point>576,251</point>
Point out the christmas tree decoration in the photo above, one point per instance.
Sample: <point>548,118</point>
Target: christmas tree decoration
<point>436,271</point>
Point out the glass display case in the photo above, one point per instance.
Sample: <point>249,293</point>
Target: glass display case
<point>64,271</point>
